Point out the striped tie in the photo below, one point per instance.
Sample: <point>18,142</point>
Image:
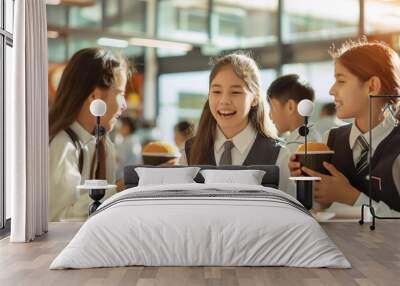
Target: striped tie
<point>363,159</point>
<point>226,158</point>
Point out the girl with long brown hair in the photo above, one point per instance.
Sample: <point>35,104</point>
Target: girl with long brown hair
<point>232,125</point>
<point>363,69</point>
<point>91,73</point>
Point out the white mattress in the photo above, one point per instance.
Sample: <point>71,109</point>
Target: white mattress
<point>183,231</point>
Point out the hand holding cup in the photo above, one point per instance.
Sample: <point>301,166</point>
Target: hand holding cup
<point>317,154</point>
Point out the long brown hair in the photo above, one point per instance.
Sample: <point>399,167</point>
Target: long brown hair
<point>87,69</point>
<point>367,59</point>
<point>246,69</point>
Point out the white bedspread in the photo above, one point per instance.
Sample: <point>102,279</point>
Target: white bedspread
<point>183,231</point>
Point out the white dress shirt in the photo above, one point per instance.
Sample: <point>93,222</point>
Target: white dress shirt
<point>379,133</point>
<point>243,142</point>
<point>65,202</point>
<point>295,139</point>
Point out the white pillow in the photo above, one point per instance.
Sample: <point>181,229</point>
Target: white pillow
<point>249,177</point>
<point>164,176</point>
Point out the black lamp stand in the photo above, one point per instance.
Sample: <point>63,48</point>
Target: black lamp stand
<point>304,187</point>
<point>369,205</point>
<point>97,194</point>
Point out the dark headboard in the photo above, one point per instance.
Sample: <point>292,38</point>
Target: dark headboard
<point>270,179</point>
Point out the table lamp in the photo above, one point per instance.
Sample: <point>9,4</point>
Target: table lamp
<point>304,184</point>
<point>97,188</point>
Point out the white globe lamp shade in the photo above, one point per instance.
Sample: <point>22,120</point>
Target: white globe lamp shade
<point>305,107</point>
<point>98,107</point>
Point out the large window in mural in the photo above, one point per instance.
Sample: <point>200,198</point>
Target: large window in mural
<point>6,65</point>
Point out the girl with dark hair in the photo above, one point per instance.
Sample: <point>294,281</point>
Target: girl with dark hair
<point>363,69</point>
<point>232,129</point>
<point>91,73</point>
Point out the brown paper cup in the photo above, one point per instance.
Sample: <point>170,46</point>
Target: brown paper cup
<point>315,160</point>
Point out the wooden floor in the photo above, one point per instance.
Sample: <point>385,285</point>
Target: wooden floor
<point>375,257</point>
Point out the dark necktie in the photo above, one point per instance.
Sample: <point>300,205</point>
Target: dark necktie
<point>226,158</point>
<point>363,159</point>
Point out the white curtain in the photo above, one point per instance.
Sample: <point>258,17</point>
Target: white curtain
<point>27,123</point>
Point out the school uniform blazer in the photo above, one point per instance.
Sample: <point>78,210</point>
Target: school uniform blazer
<point>262,151</point>
<point>385,163</point>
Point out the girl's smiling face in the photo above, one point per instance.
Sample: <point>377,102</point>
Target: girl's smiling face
<point>230,101</point>
<point>350,93</point>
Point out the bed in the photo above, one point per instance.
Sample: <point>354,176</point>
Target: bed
<point>201,224</point>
